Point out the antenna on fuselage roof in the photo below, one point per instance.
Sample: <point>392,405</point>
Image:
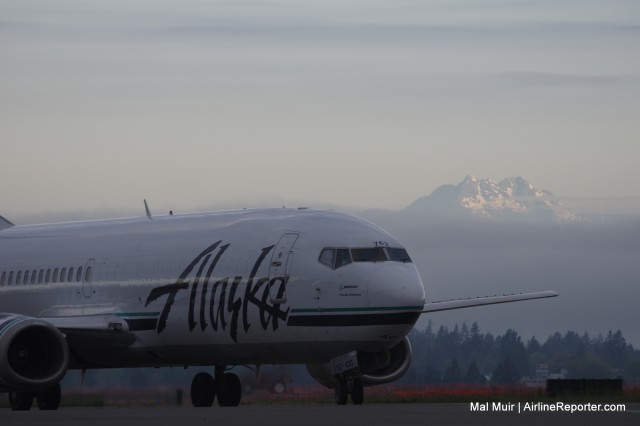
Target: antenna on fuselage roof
<point>146,208</point>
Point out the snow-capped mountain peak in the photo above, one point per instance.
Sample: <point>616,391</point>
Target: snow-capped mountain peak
<point>511,198</point>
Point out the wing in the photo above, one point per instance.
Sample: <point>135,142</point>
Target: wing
<point>94,331</point>
<point>86,331</point>
<point>487,300</point>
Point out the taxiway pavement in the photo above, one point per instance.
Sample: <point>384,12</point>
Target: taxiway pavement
<point>311,415</point>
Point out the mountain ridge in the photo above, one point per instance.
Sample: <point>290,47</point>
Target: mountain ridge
<point>513,199</point>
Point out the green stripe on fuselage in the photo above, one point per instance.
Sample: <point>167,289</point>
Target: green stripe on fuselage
<point>137,314</point>
<point>365,309</point>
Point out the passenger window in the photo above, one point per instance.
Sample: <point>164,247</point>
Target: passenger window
<point>25,279</point>
<point>327,257</point>
<point>376,254</point>
<point>4,277</point>
<point>79,274</point>
<point>47,278</point>
<point>87,274</point>
<point>63,274</point>
<point>342,257</point>
<point>33,276</point>
<point>55,276</point>
<point>40,276</point>
<point>70,276</point>
<point>11,278</point>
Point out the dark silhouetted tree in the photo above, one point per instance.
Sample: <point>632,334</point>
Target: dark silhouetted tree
<point>589,366</point>
<point>452,374</point>
<point>431,375</point>
<point>474,375</point>
<point>511,347</point>
<point>615,350</point>
<point>505,373</point>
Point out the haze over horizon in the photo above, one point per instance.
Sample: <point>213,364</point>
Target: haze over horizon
<point>547,207</point>
<point>357,104</point>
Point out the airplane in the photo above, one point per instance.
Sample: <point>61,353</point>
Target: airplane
<point>218,289</point>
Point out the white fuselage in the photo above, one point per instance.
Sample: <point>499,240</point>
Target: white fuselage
<point>242,287</point>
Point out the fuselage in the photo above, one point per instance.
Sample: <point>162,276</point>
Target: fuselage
<point>241,287</point>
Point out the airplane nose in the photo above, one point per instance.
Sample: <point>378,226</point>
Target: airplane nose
<point>396,285</point>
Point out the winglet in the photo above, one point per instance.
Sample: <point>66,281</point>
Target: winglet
<point>146,208</point>
<point>4,223</point>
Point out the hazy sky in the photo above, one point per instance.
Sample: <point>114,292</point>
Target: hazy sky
<point>360,103</point>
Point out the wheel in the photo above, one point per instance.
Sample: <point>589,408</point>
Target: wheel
<point>202,390</point>
<point>49,399</point>
<point>230,390</point>
<point>357,392</point>
<point>341,391</point>
<point>20,401</point>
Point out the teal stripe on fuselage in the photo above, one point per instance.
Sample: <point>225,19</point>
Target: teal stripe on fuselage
<point>366,309</point>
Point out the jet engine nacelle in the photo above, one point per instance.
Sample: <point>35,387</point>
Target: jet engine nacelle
<point>33,354</point>
<point>373,368</point>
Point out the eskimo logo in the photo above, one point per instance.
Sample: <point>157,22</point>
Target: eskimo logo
<point>222,302</point>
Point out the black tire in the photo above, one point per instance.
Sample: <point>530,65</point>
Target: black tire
<point>230,390</point>
<point>342,391</point>
<point>357,393</point>
<point>49,399</point>
<point>202,390</point>
<point>21,401</point>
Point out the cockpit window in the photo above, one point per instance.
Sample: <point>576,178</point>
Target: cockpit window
<point>337,257</point>
<point>398,255</point>
<point>342,257</point>
<point>375,254</point>
<point>328,257</point>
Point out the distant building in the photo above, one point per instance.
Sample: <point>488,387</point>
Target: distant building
<point>542,374</point>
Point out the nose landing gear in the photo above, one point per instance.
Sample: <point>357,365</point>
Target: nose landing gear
<point>349,385</point>
<point>226,386</point>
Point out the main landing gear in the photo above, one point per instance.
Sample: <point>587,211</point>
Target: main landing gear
<point>349,385</point>
<point>226,386</point>
<point>48,399</point>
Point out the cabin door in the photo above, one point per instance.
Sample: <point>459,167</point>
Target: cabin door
<point>280,267</point>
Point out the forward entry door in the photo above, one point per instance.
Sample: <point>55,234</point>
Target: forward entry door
<point>280,267</point>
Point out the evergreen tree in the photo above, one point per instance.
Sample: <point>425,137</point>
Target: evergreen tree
<point>589,366</point>
<point>474,375</point>
<point>614,350</point>
<point>573,343</point>
<point>511,347</point>
<point>587,342</point>
<point>533,345</point>
<point>431,375</point>
<point>452,374</point>
<point>582,355</point>
<point>632,369</point>
<point>505,373</point>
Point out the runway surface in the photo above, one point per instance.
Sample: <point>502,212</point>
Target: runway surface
<point>312,415</point>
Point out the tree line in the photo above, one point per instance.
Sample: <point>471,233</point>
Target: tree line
<point>463,354</point>
<point>466,355</point>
